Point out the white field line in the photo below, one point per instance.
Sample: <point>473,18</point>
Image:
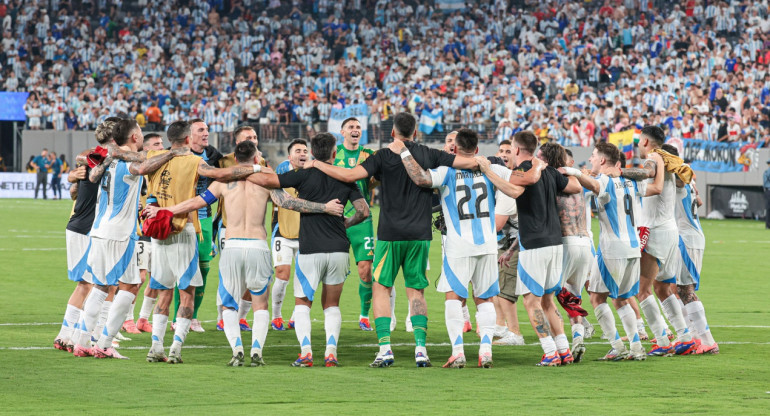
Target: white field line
<point>318,320</point>
<point>439,344</point>
<point>34,249</point>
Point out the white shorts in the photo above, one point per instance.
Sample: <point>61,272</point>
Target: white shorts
<point>175,260</point>
<point>539,270</point>
<point>245,264</point>
<point>617,277</point>
<point>691,261</point>
<point>144,254</point>
<point>481,270</point>
<point>662,245</point>
<point>284,251</point>
<point>312,269</point>
<point>577,264</point>
<point>112,261</point>
<point>78,246</point>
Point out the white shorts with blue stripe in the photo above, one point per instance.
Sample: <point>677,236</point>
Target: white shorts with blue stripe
<point>691,261</point>
<point>312,269</point>
<point>539,270</point>
<point>78,246</point>
<point>112,261</point>
<point>175,260</point>
<point>244,264</point>
<point>480,270</point>
<point>617,277</point>
<point>662,244</point>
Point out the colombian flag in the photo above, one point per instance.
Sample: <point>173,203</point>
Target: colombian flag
<point>625,140</point>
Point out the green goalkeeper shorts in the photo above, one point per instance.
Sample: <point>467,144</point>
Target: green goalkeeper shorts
<point>411,256</point>
<point>204,246</point>
<point>361,238</point>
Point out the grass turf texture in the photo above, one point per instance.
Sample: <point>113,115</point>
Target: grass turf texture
<point>36,379</point>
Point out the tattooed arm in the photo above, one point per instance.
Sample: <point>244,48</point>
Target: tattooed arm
<point>150,165</point>
<point>362,212</point>
<point>74,191</point>
<point>125,155</point>
<point>529,177</point>
<point>96,173</point>
<point>337,172</point>
<point>504,186</point>
<point>224,174</point>
<point>284,200</point>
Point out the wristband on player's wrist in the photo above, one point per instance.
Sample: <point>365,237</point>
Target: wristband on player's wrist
<point>405,153</point>
<point>256,168</point>
<point>573,172</point>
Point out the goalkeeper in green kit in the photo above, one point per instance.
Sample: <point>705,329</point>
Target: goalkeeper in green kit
<point>361,236</point>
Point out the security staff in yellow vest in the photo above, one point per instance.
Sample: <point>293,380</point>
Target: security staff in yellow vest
<point>175,259</point>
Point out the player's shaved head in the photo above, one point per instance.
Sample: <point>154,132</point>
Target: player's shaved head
<point>322,146</point>
<point>178,131</point>
<point>655,135</point>
<point>245,151</point>
<point>403,125</point>
<point>526,141</point>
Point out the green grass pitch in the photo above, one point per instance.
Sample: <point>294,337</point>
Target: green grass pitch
<point>36,379</point>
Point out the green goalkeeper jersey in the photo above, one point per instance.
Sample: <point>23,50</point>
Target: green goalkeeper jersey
<point>350,159</point>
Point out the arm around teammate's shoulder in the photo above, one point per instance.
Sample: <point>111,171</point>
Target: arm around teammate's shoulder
<point>362,212</point>
<point>225,174</point>
<point>340,173</point>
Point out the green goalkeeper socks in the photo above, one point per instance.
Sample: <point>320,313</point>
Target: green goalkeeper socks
<point>420,324</point>
<point>383,330</point>
<point>365,293</point>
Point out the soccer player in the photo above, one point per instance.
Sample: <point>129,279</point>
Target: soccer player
<point>618,254</point>
<point>470,252</point>
<point>540,259</point>
<point>240,134</point>
<point>404,231</point>
<point>111,257</point>
<point>245,262</point>
<point>659,236</point>
<point>323,248</point>
<point>361,236</point>
<point>84,193</point>
<point>692,242</point>
<point>175,259</point>
<point>286,226</point>
<point>577,245</point>
<point>152,141</point>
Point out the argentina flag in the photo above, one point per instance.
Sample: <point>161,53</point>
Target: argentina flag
<point>431,120</point>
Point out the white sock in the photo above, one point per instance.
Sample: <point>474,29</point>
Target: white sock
<point>219,309</point>
<point>244,307</point>
<point>180,334</point>
<point>607,323</point>
<point>485,322</point>
<point>332,325</point>
<point>71,317</point>
<point>672,309</point>
<point>628,319</point>
<point>159,324</point>
<point>90,315</point>
<point>654,319</point>
<point>103,313</point>
<point>453,315</point>
<point>684,311</point>
<point>232,330</point>
<point>697,315</point>
<point>117,315</point>
<point>578,330</point>
<point>548,344</point>
<point>148,304</point>
<point>422,350</point>
<point>562,345</point>
<point>131,310</point>
<point>302,327</point>
<point>639,325</point>
<point>259,331</point>
<point>466,314</point>
<point>279,291</point>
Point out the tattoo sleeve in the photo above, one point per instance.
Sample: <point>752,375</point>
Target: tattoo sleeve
<point>225,175</point>
<point>74,191</point>
<point>126,155</point>
<point>362,211</point>
<point>640,174</point>
<point>417,174</point>
<point>96,173</point>
<point>419,307</point>
<point>284,200</point>
<point>152,164</point>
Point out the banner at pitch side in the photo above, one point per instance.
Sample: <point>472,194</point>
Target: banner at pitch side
<point>22,185</point>
<point>739,201</point>
<point>337,116</point>
<point>721,157</point>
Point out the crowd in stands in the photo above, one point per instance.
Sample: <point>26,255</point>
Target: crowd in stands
<point>572,71</point>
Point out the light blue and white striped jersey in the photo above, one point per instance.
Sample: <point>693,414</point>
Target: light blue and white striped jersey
<point>118,203</point>
<point>687,217</point>
<point>618,238</point>
<point>468,203</point>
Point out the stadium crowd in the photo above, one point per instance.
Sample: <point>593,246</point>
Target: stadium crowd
<point>571,71</point>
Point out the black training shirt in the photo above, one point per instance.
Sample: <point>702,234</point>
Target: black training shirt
<point>539,224</point>
<point>82,218</point>
<point>406,208</point>
<point>320,233</point>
